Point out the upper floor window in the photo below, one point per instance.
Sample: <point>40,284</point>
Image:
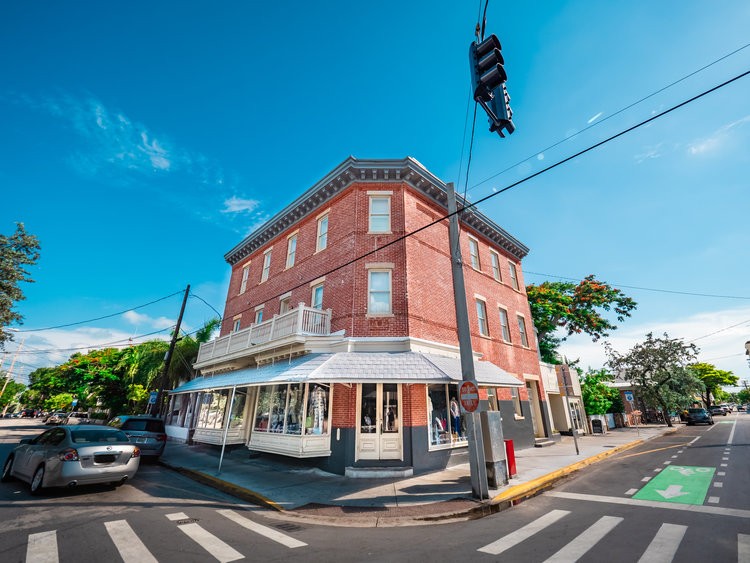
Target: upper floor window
<point>474,254</point>
<point>522,330</point>
<point>379,292</point>
<point>322,240</point>
<point>482,318</point>
<point>245,274</point>
<point>495,266</point>
<point>236,324</point>
<point>284,304</point>
<point>380,213</point>
<point>291,250</point>
<point>259,314</point>
<point>266,265</point>
<point>513,275</point>
<point>504,324</point>
<point>317,296</point>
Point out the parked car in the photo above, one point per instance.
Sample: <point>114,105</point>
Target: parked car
<point>77,418</point>
<point>56,417</point>
<point>717,410</point>
<point>146,431</point>
<point>28,413</point>
<point>67,456</point>
<point>696,415</point>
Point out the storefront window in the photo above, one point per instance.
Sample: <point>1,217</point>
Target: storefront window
<point>281,409</point>
<point>212,408</point>
<point>238,409</point>
<point>446,424</point>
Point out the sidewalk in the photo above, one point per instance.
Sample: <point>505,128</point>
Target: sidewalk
<point>302,492</point>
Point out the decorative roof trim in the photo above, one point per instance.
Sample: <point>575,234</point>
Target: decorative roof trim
<point>407,170</point>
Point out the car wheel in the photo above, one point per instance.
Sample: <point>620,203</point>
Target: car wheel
<point>710,422</point>
<point>36,481</point>
<point>6,476</point>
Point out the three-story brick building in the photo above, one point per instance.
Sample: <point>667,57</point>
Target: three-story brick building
<point>339,339</point>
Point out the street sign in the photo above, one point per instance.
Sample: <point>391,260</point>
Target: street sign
<point>152,397</point>
<point>75,402</point>
<point>629,396</point>
<point>468,395</point>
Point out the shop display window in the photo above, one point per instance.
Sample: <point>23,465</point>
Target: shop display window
<point>446,425</point>
<point>213,407</point>
<point>290,408</point>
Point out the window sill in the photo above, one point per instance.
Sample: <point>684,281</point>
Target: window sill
<point>379,232</point>
<point>380,316</point>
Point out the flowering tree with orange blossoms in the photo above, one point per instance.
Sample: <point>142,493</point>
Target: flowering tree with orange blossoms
<point>575,309</point>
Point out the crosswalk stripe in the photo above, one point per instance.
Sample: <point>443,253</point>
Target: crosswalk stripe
<point>270,533</point>
<point>743,547</point>
<point>585,541</point>
<point>514,538</point>
<point>220,550</point>
<point>42,547</point>
<point>130,546</point>
<point>664,545</point>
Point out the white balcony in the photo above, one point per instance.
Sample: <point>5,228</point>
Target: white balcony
<point>295,324</point>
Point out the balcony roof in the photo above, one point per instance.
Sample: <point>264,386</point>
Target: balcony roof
<point>407,170</point>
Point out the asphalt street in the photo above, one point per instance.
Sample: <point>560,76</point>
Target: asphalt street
<point>681,497</point>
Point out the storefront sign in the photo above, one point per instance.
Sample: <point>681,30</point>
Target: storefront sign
<point>468,394</point>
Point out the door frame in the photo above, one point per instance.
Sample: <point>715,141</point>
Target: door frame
<point>378,437</point>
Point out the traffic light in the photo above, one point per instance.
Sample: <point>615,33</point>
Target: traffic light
<point>488,83</point>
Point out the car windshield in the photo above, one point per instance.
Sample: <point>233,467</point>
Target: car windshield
<point>97,436</point>
<point>143,425</point>
<point>695,411</point>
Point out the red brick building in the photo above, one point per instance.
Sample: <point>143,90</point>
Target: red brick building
<point>339,339</point>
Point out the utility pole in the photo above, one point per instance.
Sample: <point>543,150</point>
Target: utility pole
<point>564,370</point>
<point>10,372</point>
<point>168,357</point>
<point>479,484</point>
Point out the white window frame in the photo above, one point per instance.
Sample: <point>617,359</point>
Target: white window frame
<point>504,325</point>
<point>513,275</point>
<point>482,321</point>
<point>517,406</point>
<point>266,265</point>
<point>313,290</point>
<point>475,261</point>
<point>285,303</point>
<point>291,250</point>
<point>495,262</point>
<point>259,314</point>
<point>236,322</point>
<point>523,331</point>
<point>380,269</point>
<point>379,196</point>
<point>321,240</point>
<point>245,274</point>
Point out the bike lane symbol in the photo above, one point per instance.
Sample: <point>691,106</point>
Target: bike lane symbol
<point>682,484</point>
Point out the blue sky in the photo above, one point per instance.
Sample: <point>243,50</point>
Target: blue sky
<point>144,140</point>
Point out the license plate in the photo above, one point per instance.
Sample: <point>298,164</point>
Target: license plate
<point>104,458</point>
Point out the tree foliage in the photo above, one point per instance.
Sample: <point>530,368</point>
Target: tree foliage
<point>16,252</point>
<point>597,396</point>
<point>659,367</point>
<point>12,390</point>
<point>713,379</point>
<point>575,308</point>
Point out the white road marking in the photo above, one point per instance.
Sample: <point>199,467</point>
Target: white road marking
<point>42,547</point>
<point>724,459</point>
<point>694,440</point>
<point>718,484</point>
<point>586,540</point>
<point>270,533</point>
<point>666,463</point>
<point>221,551</point>
<point>177,516</point>
<point>514,538</point>
<point>130,546</point>
<point>631,491</point>
<point>664,545</point>
<point>674,457</point>
<point>713,500</point>
<point>731,434</point>
<point>723,464</point>
<point>680,451</point>
<point>718,511</point>
<point>658,469</point>
<point>721,473</point>
<point>743,547</point>
<point>645,479</point>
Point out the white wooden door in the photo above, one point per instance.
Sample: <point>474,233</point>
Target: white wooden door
<point>379,430</point>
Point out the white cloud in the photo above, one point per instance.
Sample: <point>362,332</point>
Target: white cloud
<point>649,153</point>
<point>597,116</point>
<point>238,205</point>
<point>718,139</point>
<point>724,349</point>
<point>139,319</point>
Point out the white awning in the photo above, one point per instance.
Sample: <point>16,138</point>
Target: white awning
<point>355,367</point>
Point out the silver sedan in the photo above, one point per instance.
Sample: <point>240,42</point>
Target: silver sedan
<point>67,456</point>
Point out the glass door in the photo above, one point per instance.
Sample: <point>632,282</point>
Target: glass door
<point>379,433</point>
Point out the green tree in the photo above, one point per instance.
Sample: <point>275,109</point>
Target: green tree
<point>743,396</point>
<point>12,390</point>
<point>16,252</point>
<point>574,308</point>
<point>713,379</point>
<point>659,368</point>
<point>596,395</point>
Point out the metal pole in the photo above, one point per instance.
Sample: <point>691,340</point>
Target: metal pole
<point>479,484</point>
<point>10,372</point>
<point>168,358</point>
<point>226,430</point>
<point>564,369</point>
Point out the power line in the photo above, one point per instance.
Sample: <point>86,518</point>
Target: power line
<point>600,121</point>
<point>467,205</point>
<point>644,288</point>
<point>100,318</point>
<point>718,331</point>
<point>207,303</point>
<point>122,342</point>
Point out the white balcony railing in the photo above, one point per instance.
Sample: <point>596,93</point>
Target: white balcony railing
<point>302,321</point>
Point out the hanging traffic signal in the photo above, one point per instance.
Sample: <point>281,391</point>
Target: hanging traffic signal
<point>488,83</point>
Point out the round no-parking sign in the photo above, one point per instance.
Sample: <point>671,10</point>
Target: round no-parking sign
<point>468,394</point>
